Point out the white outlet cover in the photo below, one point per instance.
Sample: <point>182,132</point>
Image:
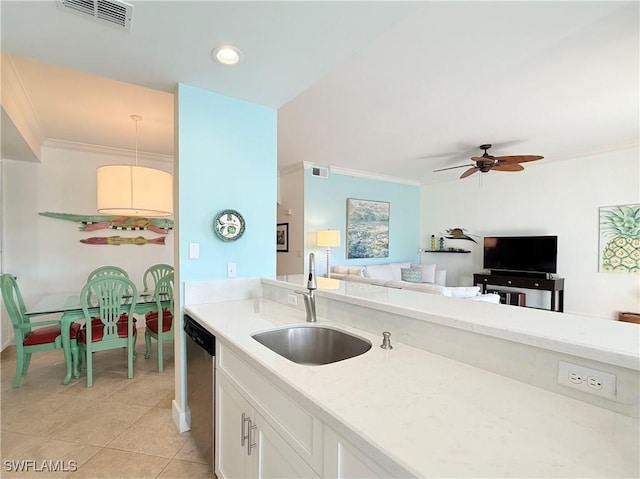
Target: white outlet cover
<point>587,380</point>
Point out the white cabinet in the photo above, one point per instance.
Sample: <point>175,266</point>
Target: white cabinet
<point>263,432</point>
<point>246,445</point>
<point>343,460</point>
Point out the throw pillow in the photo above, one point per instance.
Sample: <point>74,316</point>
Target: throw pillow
<point>411,275</point>
<point>341,269</point>
<point>396,274</point>
<point>380,271</point>
<point>428,272</point>
<point>357,271</point>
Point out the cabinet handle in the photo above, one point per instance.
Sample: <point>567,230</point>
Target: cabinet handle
<point>509,282</point>
<point>250,443</point>
<point>536,284</point>
<point>244,437</point>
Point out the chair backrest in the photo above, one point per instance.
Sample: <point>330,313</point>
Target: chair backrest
<point>13,302</point>
<point>155,273</point>
<point>112,296</point>
<point>107,271</point>
<point>164,292</point>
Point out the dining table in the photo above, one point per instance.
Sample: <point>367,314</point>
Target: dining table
<point>69,305</point>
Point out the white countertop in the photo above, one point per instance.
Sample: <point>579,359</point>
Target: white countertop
<point>604,340</point>
<point>434,416</point>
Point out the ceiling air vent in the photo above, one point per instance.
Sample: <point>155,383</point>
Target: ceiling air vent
<point>320,172</point>
<point>112,12</point>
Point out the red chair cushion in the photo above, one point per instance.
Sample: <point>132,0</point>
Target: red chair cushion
<point>152,320</point>
<point>124,317</point>
<point>74,329</point>
<point>97,331</point>
<point>44,335</point>
<point>48,334</point>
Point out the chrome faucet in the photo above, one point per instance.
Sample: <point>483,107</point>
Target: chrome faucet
<point>312,285</point>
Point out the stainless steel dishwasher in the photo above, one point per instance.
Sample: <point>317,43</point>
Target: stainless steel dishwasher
<point>200,384</point>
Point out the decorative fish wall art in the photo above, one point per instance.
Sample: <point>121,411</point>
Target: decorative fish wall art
<point>128,223</point>
<point>118,240</point>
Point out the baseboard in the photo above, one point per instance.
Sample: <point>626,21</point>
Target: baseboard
<point>182,419</point>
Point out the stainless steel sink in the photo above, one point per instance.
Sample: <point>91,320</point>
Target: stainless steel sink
<point>313,345</point>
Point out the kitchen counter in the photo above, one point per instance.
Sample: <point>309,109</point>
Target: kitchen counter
<point>433,416</point>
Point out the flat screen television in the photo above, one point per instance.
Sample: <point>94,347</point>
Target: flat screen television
<point>534,254</point>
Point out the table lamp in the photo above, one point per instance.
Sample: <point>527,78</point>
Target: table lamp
<point>328,238</point>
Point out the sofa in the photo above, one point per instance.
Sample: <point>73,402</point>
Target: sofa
<point>410,276</point>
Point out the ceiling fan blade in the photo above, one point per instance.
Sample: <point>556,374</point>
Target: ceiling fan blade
<point>508,167</point>
<point>469,172</point>
<point>452,167</point>
<point>518,158</point>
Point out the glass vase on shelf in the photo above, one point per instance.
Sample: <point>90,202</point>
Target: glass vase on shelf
<point>433,242</point>
<point>441,243</point>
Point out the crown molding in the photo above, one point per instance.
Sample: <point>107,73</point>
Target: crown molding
<point>105,150</point>
<point>372,176</point>
<point>18,107</point>
<point>292,168</point>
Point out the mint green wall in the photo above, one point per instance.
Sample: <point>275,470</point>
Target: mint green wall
<point>325,207</point>
<point>226,160</point>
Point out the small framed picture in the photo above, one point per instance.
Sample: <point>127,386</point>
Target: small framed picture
<point>282,238</point>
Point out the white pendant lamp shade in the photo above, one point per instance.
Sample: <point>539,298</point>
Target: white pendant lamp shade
<point>125,190</point>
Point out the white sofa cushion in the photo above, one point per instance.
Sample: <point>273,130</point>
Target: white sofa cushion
<point>462,291</point>
<point>489,298</point>
<point>380,271</point>
<point>428,272</point>
<point>396,270</point>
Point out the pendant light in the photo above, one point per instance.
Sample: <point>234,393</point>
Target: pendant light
<point>125,190</point>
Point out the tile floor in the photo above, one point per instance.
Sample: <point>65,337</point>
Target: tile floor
<point>119,428</point>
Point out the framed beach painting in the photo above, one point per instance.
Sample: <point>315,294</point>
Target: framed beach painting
<point>367,228</point>
<point>619,249</point>
<point>282,237</point>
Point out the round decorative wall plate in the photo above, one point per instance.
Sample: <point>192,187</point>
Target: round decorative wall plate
<point>228,225</point>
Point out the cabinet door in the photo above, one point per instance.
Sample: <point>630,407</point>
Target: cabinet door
<point>275,459</point>
<point>231,459</point>
<point>343,460</point>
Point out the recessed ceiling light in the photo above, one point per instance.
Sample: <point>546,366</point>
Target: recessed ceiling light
<point>227,54</point>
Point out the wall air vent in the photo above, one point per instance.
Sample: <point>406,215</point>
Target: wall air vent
<point>319,172</point>
<point>111,12</point>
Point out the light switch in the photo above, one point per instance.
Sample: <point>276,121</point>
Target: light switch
<point>231,270</point>
<point>194,250</point>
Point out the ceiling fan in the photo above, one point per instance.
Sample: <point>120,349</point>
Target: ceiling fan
<point>488,162</point>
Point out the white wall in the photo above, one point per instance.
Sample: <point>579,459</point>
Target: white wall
<point>557,198</point>
<point>291,197</point>
<point>45,253</point>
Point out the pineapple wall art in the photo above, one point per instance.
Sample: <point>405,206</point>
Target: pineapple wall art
<point>620,238</point>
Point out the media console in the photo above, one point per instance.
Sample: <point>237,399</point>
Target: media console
<point>555,285</point>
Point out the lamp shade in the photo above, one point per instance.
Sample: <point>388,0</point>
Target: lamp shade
<point>329,238</point>
<point>126,190</point>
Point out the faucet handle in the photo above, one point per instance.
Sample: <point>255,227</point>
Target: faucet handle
<point>386,341</point>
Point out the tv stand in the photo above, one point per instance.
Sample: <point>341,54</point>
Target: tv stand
<point>555,285</point>
<point>520,274</point>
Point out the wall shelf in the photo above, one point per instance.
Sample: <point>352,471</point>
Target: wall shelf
<point>444,251</point>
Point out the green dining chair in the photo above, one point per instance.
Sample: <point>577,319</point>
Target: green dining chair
<point>153,274</point>
<point>33,337</point>
<point>113,299</point>
<point>163,293</point>
<point>107,271</point>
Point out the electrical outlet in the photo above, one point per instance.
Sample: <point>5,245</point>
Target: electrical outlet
<point>587,380</point>
<point>292,299</point>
